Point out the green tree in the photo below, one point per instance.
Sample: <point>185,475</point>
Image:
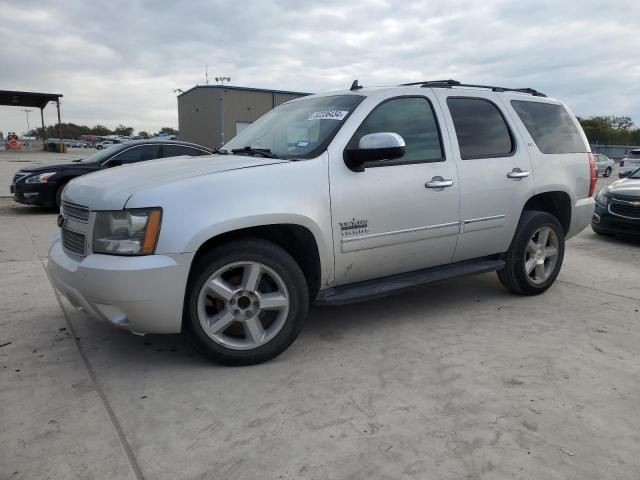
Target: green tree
<point>100,130</point>
<point>122,130</point>
<point>169,130</point>
<point>143,134</point>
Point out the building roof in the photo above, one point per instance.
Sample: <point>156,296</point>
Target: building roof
<point>27,99</point>
<point>246,89</point>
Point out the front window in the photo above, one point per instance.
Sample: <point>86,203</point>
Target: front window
<point>99,156</point>
<point>300,129</point>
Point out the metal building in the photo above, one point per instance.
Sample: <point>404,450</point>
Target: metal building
<point>212,115</point>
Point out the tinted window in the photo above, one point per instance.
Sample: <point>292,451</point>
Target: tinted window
<point>550,126</point>
<point>177,150</point>
<point>139,154</point>
<point>480,127</point>
<point>411,118</point>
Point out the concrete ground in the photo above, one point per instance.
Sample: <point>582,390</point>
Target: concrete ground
<point>457,380</point>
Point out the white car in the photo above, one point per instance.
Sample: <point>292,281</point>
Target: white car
<point>604,164</point>
<point>105,144</point>
<point>328,199</point>
<point>629,163</point>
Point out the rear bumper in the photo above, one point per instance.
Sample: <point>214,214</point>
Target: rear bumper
<point>140,294</point>
<point>581,217</point>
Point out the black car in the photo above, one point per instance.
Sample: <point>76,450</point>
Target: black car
<point>618,208</point>
<point>43,184</point>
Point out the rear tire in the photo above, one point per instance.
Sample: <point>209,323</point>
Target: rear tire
<point>535,256</point>
<point>607,172</point>
<point>245,303</point>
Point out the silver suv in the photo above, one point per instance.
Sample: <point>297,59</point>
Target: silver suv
<point>328,199</point>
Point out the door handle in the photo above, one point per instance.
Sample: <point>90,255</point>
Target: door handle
<point>517,174</point>
<point>439,182</point>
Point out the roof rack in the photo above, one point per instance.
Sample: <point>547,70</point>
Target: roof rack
<point>455,83</point>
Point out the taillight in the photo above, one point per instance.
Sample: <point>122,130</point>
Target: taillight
<point>594,174</point>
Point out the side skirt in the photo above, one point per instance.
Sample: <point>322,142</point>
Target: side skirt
<point>382,287</point>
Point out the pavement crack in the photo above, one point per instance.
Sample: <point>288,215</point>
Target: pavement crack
<point>133,461</point>
<point>598,290</point>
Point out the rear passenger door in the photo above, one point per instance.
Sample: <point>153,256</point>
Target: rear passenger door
<point>137,153</point>
<point>494,172</point>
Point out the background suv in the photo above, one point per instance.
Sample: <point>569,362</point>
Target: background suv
<point>328,199</point>
<point>629,163</point>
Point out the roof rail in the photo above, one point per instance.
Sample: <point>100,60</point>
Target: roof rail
<point>455,83</point>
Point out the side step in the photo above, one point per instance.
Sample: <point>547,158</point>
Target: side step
<point>382,287</point>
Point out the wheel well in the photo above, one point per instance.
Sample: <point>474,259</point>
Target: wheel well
<point>296,240</point>
<point>557,204</point>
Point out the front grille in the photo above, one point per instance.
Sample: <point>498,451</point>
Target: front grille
<point>75,211</point>
<point>625,210</point>
<point>73,241</point>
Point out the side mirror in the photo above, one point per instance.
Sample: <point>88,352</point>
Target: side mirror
<point>374,147</point>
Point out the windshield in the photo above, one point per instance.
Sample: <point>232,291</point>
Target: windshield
<point>300,129</point>
<point>100,155</point>
<point>635,174</point>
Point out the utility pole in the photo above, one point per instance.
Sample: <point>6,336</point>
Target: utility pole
<point>26,111</point>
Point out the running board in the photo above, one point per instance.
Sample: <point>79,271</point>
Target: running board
<point>381,287</point>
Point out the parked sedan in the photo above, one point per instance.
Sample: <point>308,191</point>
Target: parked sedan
<point>604,164</point>
<point>43,184</point>
<point>617,209</point>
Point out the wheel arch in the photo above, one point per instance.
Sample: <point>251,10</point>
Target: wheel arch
<point>296,239</point>
<point>555,202</point>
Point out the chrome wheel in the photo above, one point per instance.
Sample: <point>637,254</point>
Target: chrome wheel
<point>541,255</point>
<point>243,305</point>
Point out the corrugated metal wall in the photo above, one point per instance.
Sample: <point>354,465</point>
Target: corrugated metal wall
<point>201,109</point>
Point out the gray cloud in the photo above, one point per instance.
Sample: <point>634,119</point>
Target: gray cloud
<point>119,61</point>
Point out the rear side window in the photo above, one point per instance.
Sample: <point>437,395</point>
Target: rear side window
<point>480,127</point>
<point>139,154</point>
<point>550,126</point>
<point>179,150</point>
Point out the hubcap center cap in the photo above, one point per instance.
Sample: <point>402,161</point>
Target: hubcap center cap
<point>244,302</point>
<point>541,254</point>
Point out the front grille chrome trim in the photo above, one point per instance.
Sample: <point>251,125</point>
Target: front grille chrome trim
<point>74,242</point>
<point>77,212</point>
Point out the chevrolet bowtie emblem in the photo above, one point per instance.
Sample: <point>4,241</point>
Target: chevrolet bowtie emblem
<point>635,204</point>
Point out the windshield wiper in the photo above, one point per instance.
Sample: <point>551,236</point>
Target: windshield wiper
<point>219,151</point>
<point>264,152</point>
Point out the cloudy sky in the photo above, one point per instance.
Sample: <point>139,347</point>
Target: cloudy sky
<point>119,62</point>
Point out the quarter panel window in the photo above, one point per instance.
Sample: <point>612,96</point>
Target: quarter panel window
<point>480,127</point>
<point>550,126</point>
<point>414,120</point>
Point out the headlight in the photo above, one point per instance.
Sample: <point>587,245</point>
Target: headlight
<point>602,198</point>
<point>127,232</point>
<point>40,178</point>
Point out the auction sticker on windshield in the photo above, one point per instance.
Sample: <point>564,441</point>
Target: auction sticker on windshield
<point>329,115</point>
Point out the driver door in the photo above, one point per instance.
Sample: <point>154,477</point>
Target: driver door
<point>387,219</point>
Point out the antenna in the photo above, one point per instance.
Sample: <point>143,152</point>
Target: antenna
<point>355,86</point>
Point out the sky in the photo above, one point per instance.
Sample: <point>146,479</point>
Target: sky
<point>119,62</point>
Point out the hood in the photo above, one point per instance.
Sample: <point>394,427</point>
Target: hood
<point>626,186</point>
<point>60,166</point>
<point>110,189</point>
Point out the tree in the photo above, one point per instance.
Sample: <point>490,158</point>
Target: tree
<point>100,130</point>
<point>610,130</point>
<point>169,130</point>
<point>143,134</point>
<point>122,130</point>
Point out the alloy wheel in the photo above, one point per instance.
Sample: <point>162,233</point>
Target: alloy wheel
<point>541,256</point>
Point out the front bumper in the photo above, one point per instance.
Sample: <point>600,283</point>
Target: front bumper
<point>581,217</point>
<point>43,194</point>
<point>140,294</point>
<point>608,223</point>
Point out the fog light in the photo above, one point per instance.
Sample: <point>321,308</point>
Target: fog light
<point>595,218</point>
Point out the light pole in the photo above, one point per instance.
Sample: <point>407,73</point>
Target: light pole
<point>222,80</point>
<point>26,111</point>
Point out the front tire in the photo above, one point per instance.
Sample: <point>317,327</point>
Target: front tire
<point>535,256</point>
<point>607,172</point>
<point>245,303</point>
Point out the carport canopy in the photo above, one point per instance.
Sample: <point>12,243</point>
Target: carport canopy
<point>12,98</point>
